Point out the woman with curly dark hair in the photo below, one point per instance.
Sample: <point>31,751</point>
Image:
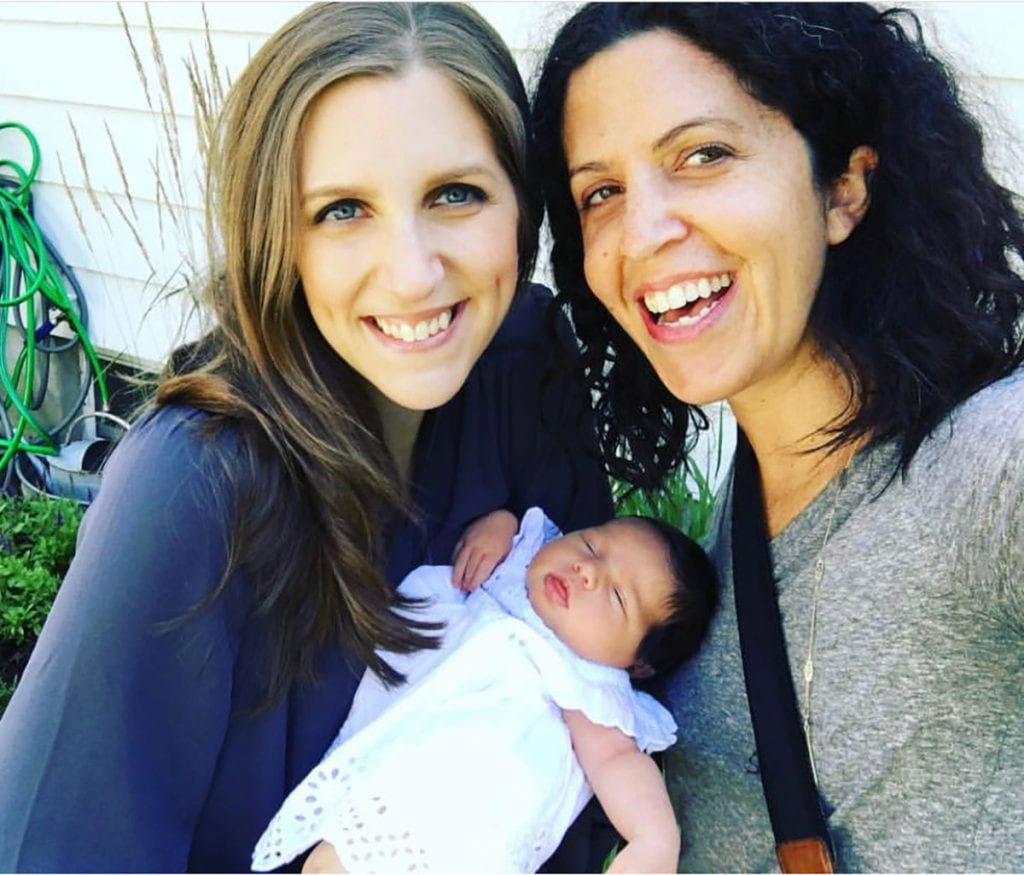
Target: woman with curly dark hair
<point>787,207</point>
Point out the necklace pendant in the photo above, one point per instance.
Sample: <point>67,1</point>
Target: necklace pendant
<point>819,570</point>
<point>808,671</point>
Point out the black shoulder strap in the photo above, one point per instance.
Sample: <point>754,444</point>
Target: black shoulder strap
<point>801,837</point>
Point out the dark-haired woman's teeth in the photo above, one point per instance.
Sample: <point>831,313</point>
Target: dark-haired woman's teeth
<point>681,294</point>
<point>691,320</point>
<point>412,333</point>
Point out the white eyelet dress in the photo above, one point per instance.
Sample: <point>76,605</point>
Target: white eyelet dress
<point>468,766</point>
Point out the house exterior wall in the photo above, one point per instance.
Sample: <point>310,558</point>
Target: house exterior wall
<point>67,72</point>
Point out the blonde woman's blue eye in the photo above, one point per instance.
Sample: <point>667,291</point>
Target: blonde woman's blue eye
<point>339,211</point>
<point>459,195</point>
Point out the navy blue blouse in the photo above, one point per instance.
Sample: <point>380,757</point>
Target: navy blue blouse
<point>126,746</point>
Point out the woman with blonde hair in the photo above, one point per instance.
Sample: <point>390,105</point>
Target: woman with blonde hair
<point>361,398</point>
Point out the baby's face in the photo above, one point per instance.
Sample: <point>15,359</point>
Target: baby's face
<point>601,590</point>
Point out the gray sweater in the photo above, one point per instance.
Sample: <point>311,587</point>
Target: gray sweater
<point>917,703</point>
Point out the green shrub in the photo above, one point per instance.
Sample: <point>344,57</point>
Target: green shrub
<point>6,691</point>
<point>37,541</point>
<point>686,499</point>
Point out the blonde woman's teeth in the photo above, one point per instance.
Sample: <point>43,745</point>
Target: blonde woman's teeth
<point>681,294</point>
<point>412,333</point>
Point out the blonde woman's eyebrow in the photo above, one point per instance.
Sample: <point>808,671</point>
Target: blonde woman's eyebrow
<point>333,192</point>
<point>462,172</point>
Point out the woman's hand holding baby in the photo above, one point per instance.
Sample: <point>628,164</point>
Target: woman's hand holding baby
<point>482,546</point>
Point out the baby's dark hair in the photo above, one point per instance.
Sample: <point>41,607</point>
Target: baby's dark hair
<point>691,604</point>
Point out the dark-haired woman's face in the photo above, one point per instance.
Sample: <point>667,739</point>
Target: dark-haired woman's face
<point>703,231</point>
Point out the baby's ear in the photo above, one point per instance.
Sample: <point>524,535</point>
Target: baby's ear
<point>640,670</point>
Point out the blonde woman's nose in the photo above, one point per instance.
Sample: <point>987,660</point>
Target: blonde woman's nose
<point>412,266</point>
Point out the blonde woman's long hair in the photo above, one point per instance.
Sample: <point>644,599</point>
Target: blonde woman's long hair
<point>312,483</point>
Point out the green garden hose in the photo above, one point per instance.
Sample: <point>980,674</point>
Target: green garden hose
<point>33,293</point>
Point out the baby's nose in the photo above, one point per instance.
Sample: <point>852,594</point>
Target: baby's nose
<point>586,575</point>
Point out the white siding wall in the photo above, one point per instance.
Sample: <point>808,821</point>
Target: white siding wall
<point>64,63</point>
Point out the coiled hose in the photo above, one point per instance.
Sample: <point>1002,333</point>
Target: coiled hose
<point>34,297</point>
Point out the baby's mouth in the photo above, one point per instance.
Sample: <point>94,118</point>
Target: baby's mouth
<point>420,327</point>
<point>686,303</point>
<point>557,589</point>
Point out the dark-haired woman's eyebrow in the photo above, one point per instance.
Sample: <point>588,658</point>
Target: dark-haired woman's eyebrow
<point>589,167</point>
<point>700,122</point>
<point>664,140</point>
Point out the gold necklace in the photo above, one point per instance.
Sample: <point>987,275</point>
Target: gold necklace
<point>819,576</point>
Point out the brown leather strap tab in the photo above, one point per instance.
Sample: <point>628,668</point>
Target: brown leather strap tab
<point>804,855</point>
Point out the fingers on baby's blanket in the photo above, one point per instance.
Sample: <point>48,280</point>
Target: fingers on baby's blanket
<point>483,545</point>
<point>472,568</point>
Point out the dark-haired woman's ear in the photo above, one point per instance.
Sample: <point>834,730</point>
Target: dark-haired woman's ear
<point>640,670</point>
<point>850,195</point>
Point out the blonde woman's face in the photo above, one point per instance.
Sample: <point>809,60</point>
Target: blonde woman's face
<point>406,232</point>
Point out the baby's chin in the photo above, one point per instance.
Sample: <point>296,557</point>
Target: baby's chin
<point>532,590</point>
<point>533,595</point>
